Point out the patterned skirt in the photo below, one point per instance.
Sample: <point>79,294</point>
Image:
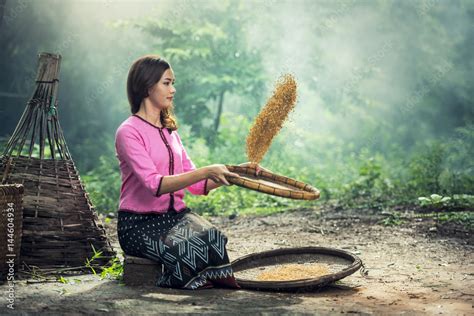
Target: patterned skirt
<point>192,250</point>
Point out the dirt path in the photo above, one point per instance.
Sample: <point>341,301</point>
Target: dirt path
<point>411,271</point>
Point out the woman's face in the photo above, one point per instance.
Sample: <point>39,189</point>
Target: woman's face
<point>162,93</point>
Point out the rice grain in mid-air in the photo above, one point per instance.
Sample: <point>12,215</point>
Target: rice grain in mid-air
<point>271,118</point>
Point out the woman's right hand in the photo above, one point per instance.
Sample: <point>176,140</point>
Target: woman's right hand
<point>218,172</point>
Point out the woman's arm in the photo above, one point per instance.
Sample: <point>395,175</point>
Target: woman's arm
<point>211,185</point>
<point>215,173</point>
<point>180,181</point>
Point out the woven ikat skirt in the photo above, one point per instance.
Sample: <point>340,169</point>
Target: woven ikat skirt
<point>192,250</point>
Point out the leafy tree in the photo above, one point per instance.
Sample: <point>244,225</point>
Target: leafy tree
<point>211,60</point>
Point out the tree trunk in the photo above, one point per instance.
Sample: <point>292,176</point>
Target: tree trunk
<point>219,111</point>
<point>212,136</point>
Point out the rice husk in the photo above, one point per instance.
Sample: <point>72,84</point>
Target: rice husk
<point>289,272</point>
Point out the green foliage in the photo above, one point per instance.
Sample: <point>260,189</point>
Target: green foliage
<point>465,201</point>
<point>457,201</point>
<point>211,60</point>
<point>426,168</point>
<point>458,176</point>
<point>463,218</point>
<point>434,200</point>
<point>394,219</point>
<point>103,184</point>
<point>371,187</point>
<point>363,186</point>
<point>90,262</point>
<point>362,181</point>
<point>63,280</point>
<point>113,269</point>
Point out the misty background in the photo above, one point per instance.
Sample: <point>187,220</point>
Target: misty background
<point>385,100</point>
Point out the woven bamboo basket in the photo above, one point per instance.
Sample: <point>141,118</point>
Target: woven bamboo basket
<point>271,183</point>
<point>60,224</point>
<point>11,219</point>
<point>341,264</point>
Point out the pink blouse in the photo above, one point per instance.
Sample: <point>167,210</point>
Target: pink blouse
<point>146,154</point>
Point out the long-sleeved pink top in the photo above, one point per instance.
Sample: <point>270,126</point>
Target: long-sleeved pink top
<point>146,154</point>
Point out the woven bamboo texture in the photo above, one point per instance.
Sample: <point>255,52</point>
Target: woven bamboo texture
<point>271,183</point>
<point>60,224</point>
<point>11,219</point>
<point>344,263</point>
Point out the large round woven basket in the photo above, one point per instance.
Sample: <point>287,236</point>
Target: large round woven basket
<point>341,264</point>
<point>271,183</point>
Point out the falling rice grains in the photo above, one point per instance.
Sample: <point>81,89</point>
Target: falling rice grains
<point>271,118</point>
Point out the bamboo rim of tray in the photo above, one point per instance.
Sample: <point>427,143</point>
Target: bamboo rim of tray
<point>271,183</point>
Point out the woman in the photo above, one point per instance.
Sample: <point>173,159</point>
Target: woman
<point>153,220</point>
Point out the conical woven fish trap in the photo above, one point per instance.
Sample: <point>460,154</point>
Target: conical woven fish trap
<point>60,224</point>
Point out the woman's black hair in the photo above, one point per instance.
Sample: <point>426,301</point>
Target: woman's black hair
<point>144,73</point>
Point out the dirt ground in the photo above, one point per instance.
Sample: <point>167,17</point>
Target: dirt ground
<point>412,270</point>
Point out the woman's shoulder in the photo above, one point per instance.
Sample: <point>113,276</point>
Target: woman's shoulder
<point>176,135</point>
<point>127,127</point>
